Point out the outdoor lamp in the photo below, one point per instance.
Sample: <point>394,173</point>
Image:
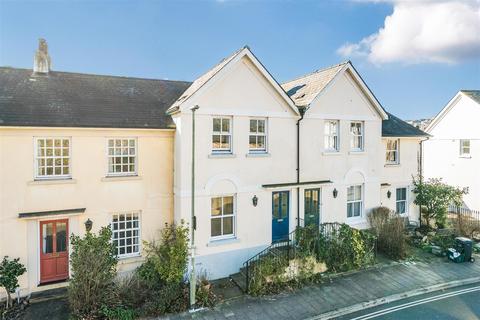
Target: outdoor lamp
<point>88,225</point>
<point>335,192</point>
<point>389,194</point>
<point>255,200</point>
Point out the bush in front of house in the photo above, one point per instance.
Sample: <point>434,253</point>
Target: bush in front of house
<point>390,231</point>
<point>435,197</point>
<point>10,270</point>
<point>314,253</point>
<point>93,261</point>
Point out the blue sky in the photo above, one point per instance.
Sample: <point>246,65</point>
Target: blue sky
<point>182,39</point>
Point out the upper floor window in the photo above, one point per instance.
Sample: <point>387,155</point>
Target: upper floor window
<point>257,140</point>
<point>354,201</point>
<point>122,156</point>
<point>401,200</point>
<point>52,158</point>
<point>222,217</point>
<point>126,233</point>
<point>392,155</point>
<point>356,136</point>
<point>222,134</point>
<point>464,148</point>
<point>331,135</point>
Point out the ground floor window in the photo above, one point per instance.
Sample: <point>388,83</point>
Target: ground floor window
<point>401,200</point>
<point>222,220</point>
<point>354,201</point>
<point>126,233</point>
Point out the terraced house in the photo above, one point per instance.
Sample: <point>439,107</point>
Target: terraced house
<point>81,150</point>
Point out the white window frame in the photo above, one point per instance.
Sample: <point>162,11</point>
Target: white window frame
<point>222,133</point>
<point>139,229</point>
<point>395,151</point>
<point>463,148</point>
<point>258,134</point>
<point>233,215</point>
<point>330,136</point>
<point>353,137</point>
<point>38,157</point>
<point>406,200</point>
<point>109,156</point>
<point>361,200</point>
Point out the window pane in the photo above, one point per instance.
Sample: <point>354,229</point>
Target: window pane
<point>225,125</point>
<point>252,142</point>
<point>357,209</point>
<point>350,194</point>
<point>358,193</point>
<point>227,205</point>
<point>47,231</point>
<point>261,142</point>
<point>225,142</point>
<point>227,225</point>
<point>216,206</point>
<point>253,126</point>
<point>216,141</point>
<point>261,126</point>
<point>216,227</point>
<point>216,125</point>
<point>61,236</point>
<point>349,210</point>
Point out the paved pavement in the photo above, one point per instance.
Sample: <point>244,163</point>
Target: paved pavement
<point>457,303</point>
<point>340,292</point>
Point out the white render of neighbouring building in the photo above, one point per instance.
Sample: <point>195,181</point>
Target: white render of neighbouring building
<point>353,156</point>
<point>453,151</point>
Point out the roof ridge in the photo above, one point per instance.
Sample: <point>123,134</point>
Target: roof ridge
<point>317,71</point>
<point>94,74</point>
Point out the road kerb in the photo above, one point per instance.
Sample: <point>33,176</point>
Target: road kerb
<point>395,297</point>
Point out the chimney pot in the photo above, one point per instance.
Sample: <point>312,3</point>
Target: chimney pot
<point>42,62</point>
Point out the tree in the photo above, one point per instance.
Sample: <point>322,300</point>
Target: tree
<point>10,270</point>
<point>435,196</point>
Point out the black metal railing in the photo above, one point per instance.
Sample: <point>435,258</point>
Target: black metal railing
<point>279,253</point>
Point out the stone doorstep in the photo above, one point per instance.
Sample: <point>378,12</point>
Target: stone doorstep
<point>395,297</point>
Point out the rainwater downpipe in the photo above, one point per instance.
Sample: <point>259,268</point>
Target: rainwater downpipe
<point>301,110</point>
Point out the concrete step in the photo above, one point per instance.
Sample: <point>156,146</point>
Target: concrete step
<point>240,280</point>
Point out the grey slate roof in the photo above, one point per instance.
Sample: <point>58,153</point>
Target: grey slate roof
<point>473,94</point>
<point>396,127</point>
<point>63,99</point>
<point>304,89</point>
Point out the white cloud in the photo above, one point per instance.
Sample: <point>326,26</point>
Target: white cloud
<point>445,31</point>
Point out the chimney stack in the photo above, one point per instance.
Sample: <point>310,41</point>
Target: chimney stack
<point>42,63</point>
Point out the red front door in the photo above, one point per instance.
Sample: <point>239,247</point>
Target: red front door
<point>53,250</point>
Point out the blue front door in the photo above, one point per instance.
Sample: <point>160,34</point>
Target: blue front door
<point>280,213</point>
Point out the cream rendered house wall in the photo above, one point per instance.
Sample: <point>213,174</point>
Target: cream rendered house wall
<point>149,193</point>
<point>442,152</point>
<point>401,175</point>
<point>343,101</point>
<point>242,93</point>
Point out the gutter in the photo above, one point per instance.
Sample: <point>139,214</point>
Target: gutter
<point>301,110</point>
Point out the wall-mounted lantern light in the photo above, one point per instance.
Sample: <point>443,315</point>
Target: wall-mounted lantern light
<point>389,194</point>
<point>255,200</point>
<point>88,225</point>
<point>335,192</point>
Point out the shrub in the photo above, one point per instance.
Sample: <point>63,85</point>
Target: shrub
<point>390,231</point>
<point>10,270</point>
<point>166,261</point>
<point>436,196</point>
<point>93,262</point>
